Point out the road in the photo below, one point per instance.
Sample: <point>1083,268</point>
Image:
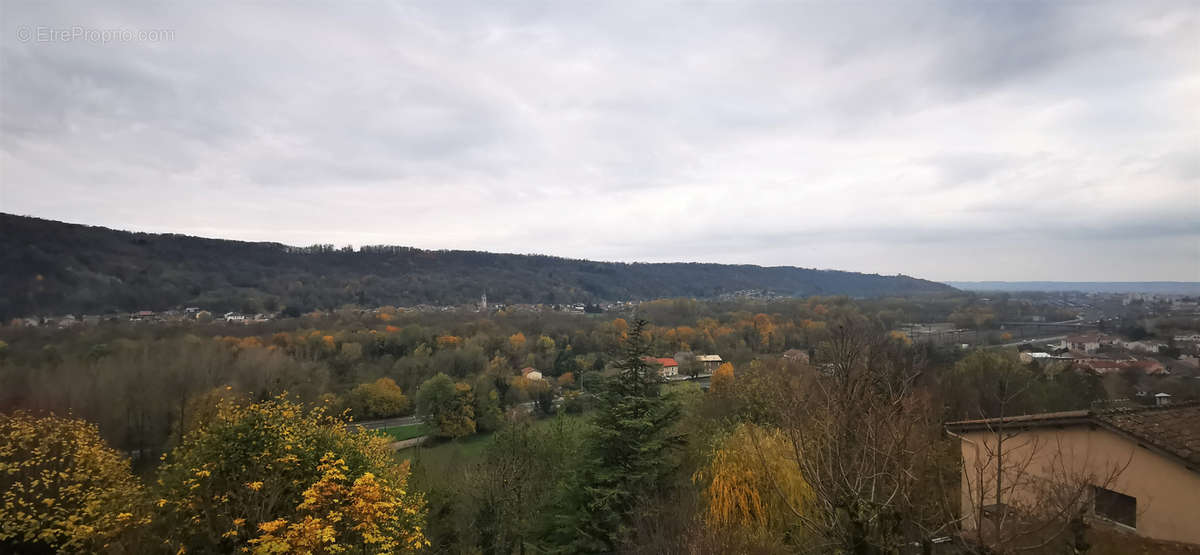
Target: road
<point>388,422</point>
<point>1036,340</point>
<point>412,420</point>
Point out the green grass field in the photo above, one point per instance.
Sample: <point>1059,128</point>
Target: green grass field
<point>438,452</point>
<point>401,433</point>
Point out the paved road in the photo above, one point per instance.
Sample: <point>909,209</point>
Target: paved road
<point>411,420</point>
<point>1053,339</point>
<point>388,422</point>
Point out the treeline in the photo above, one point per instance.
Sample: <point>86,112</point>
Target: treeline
<point>51,267</point>
<point>843,452</point>
<point>140,383</point>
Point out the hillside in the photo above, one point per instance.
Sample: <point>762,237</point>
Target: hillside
<point>49,267</point>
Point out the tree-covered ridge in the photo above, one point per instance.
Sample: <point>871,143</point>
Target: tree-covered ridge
<point>57,268</point>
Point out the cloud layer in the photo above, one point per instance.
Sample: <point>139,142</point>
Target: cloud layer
<point>956,141</point>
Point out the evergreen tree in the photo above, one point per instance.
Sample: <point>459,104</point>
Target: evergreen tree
<point>629,457</point>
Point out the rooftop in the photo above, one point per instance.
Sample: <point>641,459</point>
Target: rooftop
<point>1173,430</point>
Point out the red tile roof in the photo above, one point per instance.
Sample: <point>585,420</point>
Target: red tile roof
<point>661,361</point>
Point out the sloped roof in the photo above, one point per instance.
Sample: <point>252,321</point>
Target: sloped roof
<point>1173,430</point>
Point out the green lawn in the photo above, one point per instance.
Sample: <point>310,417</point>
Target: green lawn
<point>401,433</point>
<point>465,449</point>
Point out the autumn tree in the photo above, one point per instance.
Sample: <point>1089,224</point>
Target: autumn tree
<point>62,489</point>
<point>866,440</point>
<point>380,399</point>
<point>447,406</point>
<point>339,513</point>
<point>542,394</point>
<point>516,342</point>
<point>489,416</point>
<point>722,380</point>
<point>275,478</point>
<point>750,487</point>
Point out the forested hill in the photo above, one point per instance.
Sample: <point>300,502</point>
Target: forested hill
<point>49,267</point>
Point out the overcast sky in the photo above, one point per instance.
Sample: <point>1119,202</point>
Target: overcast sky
<point>955,141</point>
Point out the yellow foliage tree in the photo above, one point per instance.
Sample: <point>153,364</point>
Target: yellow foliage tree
<point>765,327</point>
<point>251,474</point>
<point>722,379</point>
<point>61,488</point>
<point>751,483</point>
<point>339,514</point>
<point>517,342</point>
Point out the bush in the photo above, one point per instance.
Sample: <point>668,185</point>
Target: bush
<point>61,488</point>
<point>273,477</point>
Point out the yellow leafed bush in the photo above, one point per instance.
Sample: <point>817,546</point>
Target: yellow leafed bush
<point>61,487</point>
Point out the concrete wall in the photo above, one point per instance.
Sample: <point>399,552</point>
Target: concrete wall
<point>1167,493</point>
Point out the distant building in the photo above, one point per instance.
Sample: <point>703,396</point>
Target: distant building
<point>667,367</point>
<point>1086,343</point>
<point>1099,366</point>
<point>709,363</point>
<point>530,374</point>
<point>796,355</point>
<point>1148,367</point>
<point>1103,366</point>
<point>1031,356</point>
<point>1143,346</point>
<point>234,317</point>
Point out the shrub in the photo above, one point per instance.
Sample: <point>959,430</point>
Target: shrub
<point>272,477</point>
<point>61,488</point>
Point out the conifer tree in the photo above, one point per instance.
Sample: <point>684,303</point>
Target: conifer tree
<point>630,455</point>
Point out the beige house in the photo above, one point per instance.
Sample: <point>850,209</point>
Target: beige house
<point>1086,343</point>
<point>1134,469</point>
<point>709,363</point>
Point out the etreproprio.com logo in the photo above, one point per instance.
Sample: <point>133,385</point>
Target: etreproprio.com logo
<point>79,33</point>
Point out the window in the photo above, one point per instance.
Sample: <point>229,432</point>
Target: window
<point>1117,507</point>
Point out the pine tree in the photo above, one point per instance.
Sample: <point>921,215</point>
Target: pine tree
<point>630,455</point>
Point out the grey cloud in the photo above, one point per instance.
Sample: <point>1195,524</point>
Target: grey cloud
<point>775,133</point>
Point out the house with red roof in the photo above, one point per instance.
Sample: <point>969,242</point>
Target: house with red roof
<point>667,367</point>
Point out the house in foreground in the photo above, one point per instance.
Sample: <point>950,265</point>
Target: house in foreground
<point>1136,470</point>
